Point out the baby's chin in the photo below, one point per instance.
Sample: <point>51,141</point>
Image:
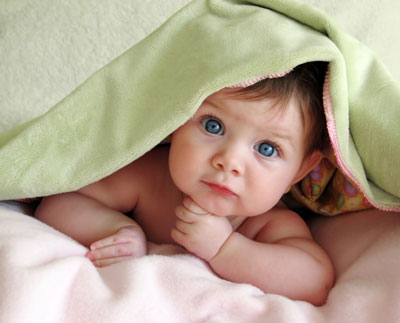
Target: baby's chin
<point>221,207</point>
<point>217,208</point>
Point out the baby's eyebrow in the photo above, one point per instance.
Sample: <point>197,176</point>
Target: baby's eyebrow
<point>210,103</point>
<point>280,136</point>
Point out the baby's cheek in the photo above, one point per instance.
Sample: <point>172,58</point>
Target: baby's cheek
<point>182,180</point>
<point>181,169</point>
<point>262,201</point>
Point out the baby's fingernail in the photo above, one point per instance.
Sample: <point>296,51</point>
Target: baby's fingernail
<point>90,256</point>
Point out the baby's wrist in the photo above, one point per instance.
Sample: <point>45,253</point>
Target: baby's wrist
<point>131,225</point>
<point>220,249</point>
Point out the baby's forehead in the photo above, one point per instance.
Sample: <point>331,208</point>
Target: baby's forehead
<point>256,111</point>
<point>262,104</point>
<point>278,103</point>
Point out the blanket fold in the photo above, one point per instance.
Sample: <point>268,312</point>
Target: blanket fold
<point>131,104</point>
<point>46,278</point>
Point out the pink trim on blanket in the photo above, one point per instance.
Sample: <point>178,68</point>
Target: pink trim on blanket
<point>260,78</point>
<point>331,125</point>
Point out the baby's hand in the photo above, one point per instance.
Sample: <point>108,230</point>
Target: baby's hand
<point>128,242</point>
<point>198,231</point>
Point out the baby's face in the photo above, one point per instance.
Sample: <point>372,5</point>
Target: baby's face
<point>238,157</point>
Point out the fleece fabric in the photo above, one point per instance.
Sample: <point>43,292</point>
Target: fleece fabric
<point>134,102</point>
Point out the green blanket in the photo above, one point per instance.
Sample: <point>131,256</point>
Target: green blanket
<point>137,100</point>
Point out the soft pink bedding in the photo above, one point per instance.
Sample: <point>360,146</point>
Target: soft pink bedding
<point>44,277</point>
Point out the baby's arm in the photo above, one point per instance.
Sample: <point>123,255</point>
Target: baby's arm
<point>198,231</point>
<point>280,258</point>
<point>274,252</point>
<point>94,217</point>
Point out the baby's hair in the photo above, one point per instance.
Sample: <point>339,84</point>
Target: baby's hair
<point>305,83</point>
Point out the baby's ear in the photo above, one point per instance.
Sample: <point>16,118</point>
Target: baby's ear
<point>309,163</point>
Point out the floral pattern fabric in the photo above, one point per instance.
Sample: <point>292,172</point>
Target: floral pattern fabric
<point>325,190</point>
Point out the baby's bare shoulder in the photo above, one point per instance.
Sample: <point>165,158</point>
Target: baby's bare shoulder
<point>277,224</point>
<point>284,223</point>
<point>155,159</point>
<point>121,190</point>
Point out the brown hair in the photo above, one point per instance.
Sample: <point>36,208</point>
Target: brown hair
<point>305,82</point>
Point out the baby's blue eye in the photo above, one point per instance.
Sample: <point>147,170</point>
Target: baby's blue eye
<point>266,149</point>
<point>213,126</point>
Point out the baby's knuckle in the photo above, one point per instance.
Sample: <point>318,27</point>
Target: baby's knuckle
<point>119,251</point>
<point>180,226</point>
<point>97,244</point>
<point>179,210</point>
<point>97,254</point>
<point>131,238</point>
<point>124,232</point>
<point>191,239</point>
<point>176,236</point>
<point>185,214</point>
<point>98,263</point>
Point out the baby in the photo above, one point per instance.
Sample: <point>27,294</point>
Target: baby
<point>216,190</point>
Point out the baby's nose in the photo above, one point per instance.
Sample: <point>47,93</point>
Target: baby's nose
<point>229,161</point>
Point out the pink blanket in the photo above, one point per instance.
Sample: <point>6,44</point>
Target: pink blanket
<point>45,278</point>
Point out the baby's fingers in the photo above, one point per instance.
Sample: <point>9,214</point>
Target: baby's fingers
<point>109,241</point>
<point>108,261</point>
<point>192,206</point>
<point>185,215</point>
<point>183,227</point>
<point>127,234</point>
<point>124,250</point>
<point>178,236</point>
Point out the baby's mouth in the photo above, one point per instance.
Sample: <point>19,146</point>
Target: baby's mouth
<point>220,189</point>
